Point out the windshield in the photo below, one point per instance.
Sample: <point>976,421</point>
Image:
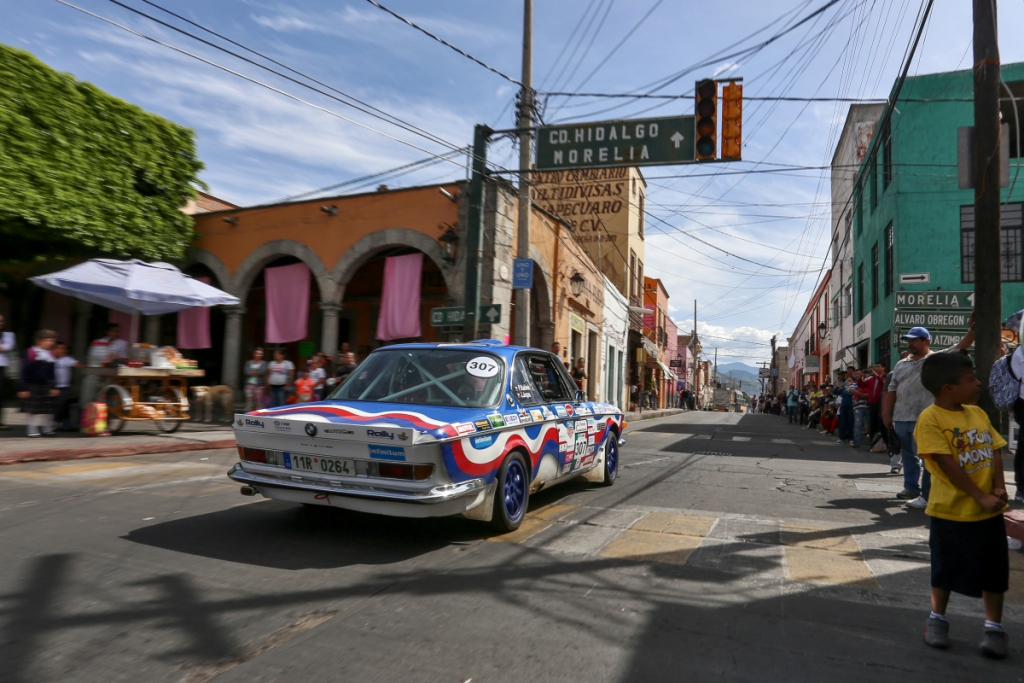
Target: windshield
<point>439,377</point>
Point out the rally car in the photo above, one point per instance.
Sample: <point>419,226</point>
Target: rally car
<point>428,430</point>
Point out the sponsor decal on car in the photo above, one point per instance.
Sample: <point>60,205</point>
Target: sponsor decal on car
<point>584,410</point>
<point>496,421</point>
<point>403,436</point>
<point>537,415</point>
<point>310,429</point>
<point>588,460</point>
<point>282,426</point>
<point>338,430</point>
<point>512,419</point>
<point>590,440</point>
<point>482,425</point>
<point>568,466</point>
<point>581,426</point>
<point>569,410</point>
<point>464,428</point>
<point>249,422</point>
<point>380,434</point>
<point>524,417</point>
<point>483,441</point>
<point>591,424</point>
<point>386,452</point>
<point>562,412</point>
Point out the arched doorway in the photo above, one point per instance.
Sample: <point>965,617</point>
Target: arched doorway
<point>360,306</point>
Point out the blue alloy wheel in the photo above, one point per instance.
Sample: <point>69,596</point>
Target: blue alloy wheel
<point>611,459</point>
<point>512,493</point>
<point>514,490</point>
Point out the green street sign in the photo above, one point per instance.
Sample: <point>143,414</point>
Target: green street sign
<point>638,142</point>
<point>490,314</point>
<point>937,300</point>
<point>932,319</point>
<point>456,315</point>
<point>941,339</point>
<point>440,317</point>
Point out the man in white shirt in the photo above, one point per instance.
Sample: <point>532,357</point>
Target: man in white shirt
<point>8,344</point>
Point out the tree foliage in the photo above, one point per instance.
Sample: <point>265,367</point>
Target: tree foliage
<point>83,173</point>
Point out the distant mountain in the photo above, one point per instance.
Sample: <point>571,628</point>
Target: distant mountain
<point>745,375</point>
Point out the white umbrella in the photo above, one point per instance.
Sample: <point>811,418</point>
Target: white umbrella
<point>134,286</point>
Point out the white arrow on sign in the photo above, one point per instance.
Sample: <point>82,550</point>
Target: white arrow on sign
<point>677,138</point>
<point>491,314</point>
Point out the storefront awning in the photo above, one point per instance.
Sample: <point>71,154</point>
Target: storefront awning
<point>664,368</point>
<point>652,348</point>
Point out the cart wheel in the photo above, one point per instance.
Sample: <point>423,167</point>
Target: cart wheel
<point>168,426</point>
<point>171,395</point>
<point>115,410</point>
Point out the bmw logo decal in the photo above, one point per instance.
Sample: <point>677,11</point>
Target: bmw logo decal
<point>310,429</point>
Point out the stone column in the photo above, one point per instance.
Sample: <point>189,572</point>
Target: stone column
<point>151,330</point>
<point>232,345</point>
<point>329,327</point>
<point>80,343</point>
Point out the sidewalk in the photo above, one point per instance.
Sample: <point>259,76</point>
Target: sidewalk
<point>136,439</point>
<point>654,413</point>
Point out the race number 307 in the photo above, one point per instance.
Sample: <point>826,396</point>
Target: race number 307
<point>482,366</point>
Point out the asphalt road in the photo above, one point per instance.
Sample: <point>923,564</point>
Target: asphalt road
<point>731,548</point>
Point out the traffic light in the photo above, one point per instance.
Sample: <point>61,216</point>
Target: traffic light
<point>706,145</point>
<point>732,120</point>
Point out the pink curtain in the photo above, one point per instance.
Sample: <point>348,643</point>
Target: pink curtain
<point>400,298</point>
<point>194,326</point>
<point>288,303</point>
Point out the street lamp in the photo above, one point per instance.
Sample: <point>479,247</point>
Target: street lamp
<point>822,330</point>
<point>448,240</point>
<point>576,282</point>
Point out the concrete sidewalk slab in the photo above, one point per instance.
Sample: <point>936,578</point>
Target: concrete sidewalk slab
<point>78,452</point>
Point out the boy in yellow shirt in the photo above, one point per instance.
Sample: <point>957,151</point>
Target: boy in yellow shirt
<point>968,537</point>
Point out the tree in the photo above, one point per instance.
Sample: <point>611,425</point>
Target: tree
<point>83,173</point>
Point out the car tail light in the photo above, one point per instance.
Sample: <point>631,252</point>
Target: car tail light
<point>252,454</point>
<point>624,425</point>
<point>402,471</point>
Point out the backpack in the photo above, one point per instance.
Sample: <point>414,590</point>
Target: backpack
<point>1003,385</point>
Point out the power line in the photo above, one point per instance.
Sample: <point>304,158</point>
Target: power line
<point>462,52</point>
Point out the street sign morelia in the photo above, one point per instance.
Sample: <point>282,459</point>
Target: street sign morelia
<point>935,300</point>
<point>640,142</point>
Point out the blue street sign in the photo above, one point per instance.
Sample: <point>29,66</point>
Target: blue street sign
<point>522,273</point>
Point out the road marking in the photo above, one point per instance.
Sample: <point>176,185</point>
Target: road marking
<point>578,539</point>
<point>824,555</point>
<point>661,537</point>
<point>879,488</point>
<point>635,464</point>
<point>741,438</point>
<point>535,523</point>
<point>782,441</point>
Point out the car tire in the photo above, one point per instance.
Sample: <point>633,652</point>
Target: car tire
<point>511,493</point>
<point>611,459</point>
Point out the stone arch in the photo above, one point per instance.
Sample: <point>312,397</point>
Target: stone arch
<point>211,261</point>
<point>361,252</point>
<point>253,264</point>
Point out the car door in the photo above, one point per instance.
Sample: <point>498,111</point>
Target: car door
<point>554,392</point>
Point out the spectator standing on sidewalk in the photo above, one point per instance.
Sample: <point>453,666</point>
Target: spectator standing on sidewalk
<point>8,345</point>
<point>911,399</point>
<point>860,407</point>
<point>62,369</point>
<point>255,381</point>
<point>793,406</point>
<point>845,412</point>
<point>872,385</point>
<point>280,375</point>
<point>39,386</point>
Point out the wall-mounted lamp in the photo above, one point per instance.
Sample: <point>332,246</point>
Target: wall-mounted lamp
<point>822,330</point>
<point>451,197</point>
<point>330,210</point>
<point>230,219</point>
<point>576,282</point>
<point>448,240</point>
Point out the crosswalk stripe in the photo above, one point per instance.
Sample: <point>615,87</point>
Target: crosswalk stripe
<point>536,522</point>
<point>782,441</point>
<point>824,555</point>
<point>741,438</point>
<point>661,537</point>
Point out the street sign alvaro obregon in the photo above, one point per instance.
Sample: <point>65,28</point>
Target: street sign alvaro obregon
<point>639,142</point>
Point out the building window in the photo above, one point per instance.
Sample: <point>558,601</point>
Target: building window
<point>874,275</point>
<point>883,350</point>
<point>886,156</point>
<point>1007,111</point>
<point>849,222</point>
<point>643,216</point>
<point>632,273</point>
<point>640,276</point>
<point>888,260</point>
<point>860,291</point>
<point>873,179</point>
<point>1012,269</point>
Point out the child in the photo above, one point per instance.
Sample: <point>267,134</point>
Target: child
<point>319,377</point>
<point>38,385</point>
<point>304,388</point>
<point>968,536</point>
<point>63,365</point>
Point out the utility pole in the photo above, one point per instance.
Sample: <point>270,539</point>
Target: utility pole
<point>715,380</point>
<point>474,234</point>
<point>524,123</point>
<point>693,342</point>
<point>987,286</point>
<point>774,370</point>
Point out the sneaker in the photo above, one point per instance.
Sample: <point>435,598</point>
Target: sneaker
<point>34,436</point>
<point>895,470</point>
<point>1018,497</point>
<point>1013,544</point>
<point>907,494</point>
<point>840,441</point>
<point>920,503</point>
<point>994,643</point>
<point>936,633</point>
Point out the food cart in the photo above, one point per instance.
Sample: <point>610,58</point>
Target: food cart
<point>146,394</point>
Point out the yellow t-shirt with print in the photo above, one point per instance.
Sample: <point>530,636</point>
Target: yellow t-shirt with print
<point>968,436</point>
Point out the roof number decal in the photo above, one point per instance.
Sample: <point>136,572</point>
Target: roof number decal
<point>482,366</point>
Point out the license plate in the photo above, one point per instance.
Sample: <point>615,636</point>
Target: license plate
<point>321,465</point>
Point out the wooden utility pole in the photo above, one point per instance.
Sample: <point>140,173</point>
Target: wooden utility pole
<point>524,123</point>
<point>774,379</point>
<point>988,301</point>
<point>474,234</point>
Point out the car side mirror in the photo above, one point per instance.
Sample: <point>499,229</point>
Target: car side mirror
<point>581,396</point>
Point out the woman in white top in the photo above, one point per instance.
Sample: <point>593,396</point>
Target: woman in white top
<point>280,375</point>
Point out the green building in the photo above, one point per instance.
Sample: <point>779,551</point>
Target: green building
<point>909,217</point>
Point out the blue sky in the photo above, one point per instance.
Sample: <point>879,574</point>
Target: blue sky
<point>259,145</point>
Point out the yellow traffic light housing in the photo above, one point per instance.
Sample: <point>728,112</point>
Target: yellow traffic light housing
<point>706,121</point>
<point>732,121</point>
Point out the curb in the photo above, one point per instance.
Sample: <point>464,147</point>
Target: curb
<point>654,414</point>
<point>57,454</point>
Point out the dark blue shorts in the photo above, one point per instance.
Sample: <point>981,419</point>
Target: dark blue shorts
<point>970,557</point>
